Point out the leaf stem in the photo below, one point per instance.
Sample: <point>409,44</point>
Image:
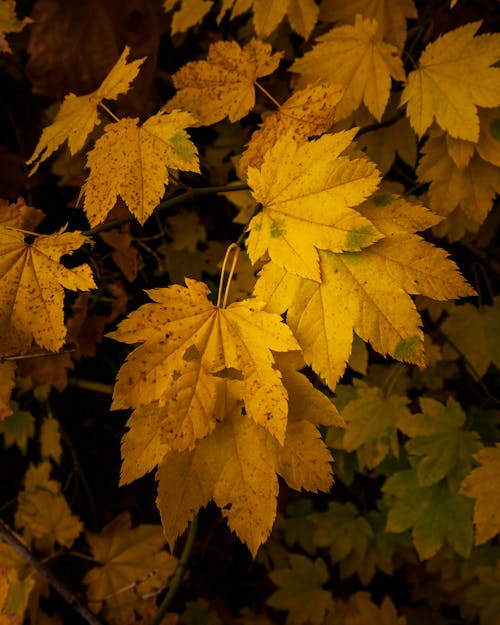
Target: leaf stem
<point>223,271</point>
<point>267,94</point>
<point>231,273</point>
<point>179,573</point>
<point>91,385</point>
<point>109,112</point>
<point>54,581</point>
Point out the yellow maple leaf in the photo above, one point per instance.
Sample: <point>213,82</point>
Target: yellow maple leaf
<point>366,68</point>
<point>268,15</point>
<point>481,485</point>
<point>78,115</point>
<point>132,162</point>
<point>367,291</point>
<point>223,85</point>
<point>391,15</point>
<point>126,556</point>
<point>32,294</point>
<point>471,188</point>
<point>236,466</point>
<point>190,348</point>
<point>9,23</point>
<point>454,77</point>
<point>307,193</point>
<point>308,112</point>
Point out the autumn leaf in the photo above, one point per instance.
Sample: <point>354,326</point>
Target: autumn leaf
<point>191,347</point>
<point>372,425</point>
<point>308,112</point>
<point>438,438</point>
<point>189,13</point>
<point>300,590</point>
<point>471,188</point>
<point>132,162</point>
<point>362,610</point>
<point>18,427</point>
<point>450,519</point>
<point>368,63</point>
<point>236,466</point>
<point>50,439</point>
<point>474,333</point>
<point>9,23</point>
<point>455,75</point>
<point>307,194</point>
<point>78,115</point>
<point>125,557</point>
<point>7,370</point>
<point>481,485</point>
<point>223,85</point>
<point>367,292</point>
<point>32,295</point>
<point>267,15</point>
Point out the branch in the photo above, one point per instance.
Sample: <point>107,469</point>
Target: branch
<point>55,582</point>
<point>179,574</point>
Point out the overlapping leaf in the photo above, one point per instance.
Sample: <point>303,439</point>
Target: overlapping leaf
<point>308,193</point>
<point>456,74</point>
<point>366,291</point>
<point>223,85</point>
<point>78,115</point>
<point>366,67</point>
<point>131,162</point>
<point>9,23</point>
<point>32,294</point>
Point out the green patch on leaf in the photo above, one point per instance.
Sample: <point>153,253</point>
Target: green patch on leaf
<point>408,349</point>
<point>495,129</point>
<point>382,199</point>
<point>359,238</point>
<point>278,228</point>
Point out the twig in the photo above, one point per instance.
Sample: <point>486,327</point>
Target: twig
<point>179,573</point>
<point>55,582</point>
<point>91,385</point>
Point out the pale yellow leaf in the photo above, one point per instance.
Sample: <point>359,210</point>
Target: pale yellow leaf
<point>32,294</point>
<point>132,162</point>
<point>455,75</point>
<point>223,85</point>
<point>368,63</point>
<point>78,115</point>
<point>307,193</point>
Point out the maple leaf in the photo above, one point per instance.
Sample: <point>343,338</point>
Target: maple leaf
<point>32,295</point>
<point>372,425</point>
<point>126,556</point>
<point>236,466</point>
<point>300,590</point>
<point>184,334</point>
<point>50,439</point>
<point>267,15</point>
<point>308,112</point>
<point>361,610</point>
<point>454,77</point>
<point>365,291</point>
<point>436,435</point>
<point>391,15</point>
<point>126,257</point>
<point>132,162</point>
<point>223,85</point>
<point>475,334</point>
<point>472,187</point>
<point>19,215</point>
<point>450,519</point>
<point>368,63</point>
<point>481,485</point>
<point>78,115</point>
<point>307,193</point>
<point>9,23</point>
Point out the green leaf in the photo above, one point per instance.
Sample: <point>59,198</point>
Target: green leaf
<point>300,590</point>
<point>437,437</point>
<point>435,514</point>
<point>17,428</point>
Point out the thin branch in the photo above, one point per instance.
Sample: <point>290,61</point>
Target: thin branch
<point>54,581</point>
<point>173,201</point>
<point>179,573</point>
<point>91,385</point>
